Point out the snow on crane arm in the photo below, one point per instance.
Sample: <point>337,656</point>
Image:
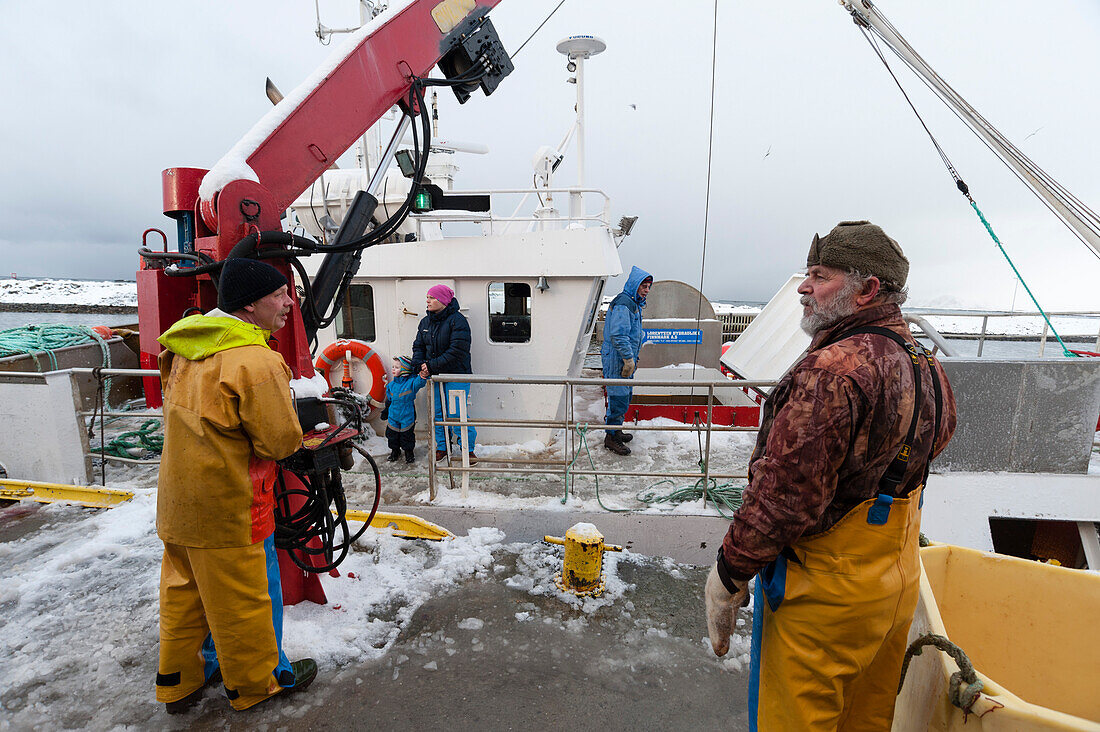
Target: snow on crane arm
<point>234,164</point>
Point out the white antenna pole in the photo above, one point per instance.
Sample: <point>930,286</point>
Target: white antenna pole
<point>577,49</point>
<point>580,122</point>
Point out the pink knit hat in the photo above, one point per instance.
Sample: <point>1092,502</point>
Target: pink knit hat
<point>442,293</point>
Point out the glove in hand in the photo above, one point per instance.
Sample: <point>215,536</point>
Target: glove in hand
<point>722,610</point>
<point>628,368</point>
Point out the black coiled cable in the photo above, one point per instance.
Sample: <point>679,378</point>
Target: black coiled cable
<point>321,513</point>
<point>321,516</point>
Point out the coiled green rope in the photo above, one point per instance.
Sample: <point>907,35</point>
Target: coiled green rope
<point>582,433</point>
<point>128,442</point>
<point>36,340</point>
<point>725,497</point>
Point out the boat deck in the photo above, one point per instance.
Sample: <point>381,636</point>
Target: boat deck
<point>472,633</point>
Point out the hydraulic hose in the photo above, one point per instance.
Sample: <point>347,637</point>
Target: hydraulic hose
<point>321,516</point>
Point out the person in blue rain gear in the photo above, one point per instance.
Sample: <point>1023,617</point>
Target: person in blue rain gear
<point>400,408</point>
<point>622,342</point>
<point>442,346</point>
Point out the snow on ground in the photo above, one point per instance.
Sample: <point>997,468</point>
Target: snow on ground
<point>66,292</point>
<point>725,308</point>
<point>78,608</point>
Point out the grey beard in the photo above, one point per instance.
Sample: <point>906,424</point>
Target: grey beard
<point>822,316</point>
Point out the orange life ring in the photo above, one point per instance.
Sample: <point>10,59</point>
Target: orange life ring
<point>337,353</point>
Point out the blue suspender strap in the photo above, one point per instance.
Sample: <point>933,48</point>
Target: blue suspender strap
<point>879,512</point>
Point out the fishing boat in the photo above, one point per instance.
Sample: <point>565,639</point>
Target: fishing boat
<point>531,286</point>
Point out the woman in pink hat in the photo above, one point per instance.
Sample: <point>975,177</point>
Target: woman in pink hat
<point>442,346</point>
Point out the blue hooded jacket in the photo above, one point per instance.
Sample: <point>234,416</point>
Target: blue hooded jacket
<point>622,330</point>
<point>400,398</point>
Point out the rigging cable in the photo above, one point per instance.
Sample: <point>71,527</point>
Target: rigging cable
<point>963,188</point>
<point>706,205</point>
<point>1086,217</point>
<point>548,17</point>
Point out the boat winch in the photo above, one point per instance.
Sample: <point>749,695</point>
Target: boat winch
<point>582,565</point>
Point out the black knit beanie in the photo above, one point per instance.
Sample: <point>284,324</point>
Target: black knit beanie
<point>243,281</point>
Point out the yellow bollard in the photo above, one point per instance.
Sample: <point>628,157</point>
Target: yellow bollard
<point>582,567</point>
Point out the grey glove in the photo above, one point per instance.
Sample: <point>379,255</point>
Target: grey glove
<point>628,368</point>
<point>722,610</point>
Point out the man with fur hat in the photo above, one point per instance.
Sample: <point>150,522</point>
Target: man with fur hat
<point>831,515</point>
<point>228,416</point>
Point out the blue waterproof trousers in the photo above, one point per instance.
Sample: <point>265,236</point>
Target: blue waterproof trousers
<point>618,399</point>
<point>452,413</point>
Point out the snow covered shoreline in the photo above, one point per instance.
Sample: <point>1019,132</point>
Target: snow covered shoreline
<point>120,296</point>
<point>68,295</point>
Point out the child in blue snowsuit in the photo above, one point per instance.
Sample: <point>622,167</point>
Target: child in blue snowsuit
<point>400,411</point>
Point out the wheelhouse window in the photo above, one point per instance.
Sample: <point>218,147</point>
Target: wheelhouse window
<point>357,314</point>
<point>509,312</point>
<point>591,320</point>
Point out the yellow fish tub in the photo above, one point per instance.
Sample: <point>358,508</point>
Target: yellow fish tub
<point>1030,631</point>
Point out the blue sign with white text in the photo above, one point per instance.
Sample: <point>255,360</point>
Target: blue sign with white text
<point>673,335</point>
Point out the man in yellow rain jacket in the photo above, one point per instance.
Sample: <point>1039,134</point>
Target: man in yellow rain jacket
<point>228,416</point>
<point>831,515</point>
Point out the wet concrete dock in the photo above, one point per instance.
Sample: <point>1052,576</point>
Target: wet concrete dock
<point>489,651</point>
<point>466,662</point>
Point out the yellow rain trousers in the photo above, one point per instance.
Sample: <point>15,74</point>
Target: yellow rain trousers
<point>222,605</point>
<point>830,620</point>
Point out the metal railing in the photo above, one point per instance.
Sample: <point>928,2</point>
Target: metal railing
<point>575,215</point>
<point>919,317</point>
<point>103,413</point>
<point>571,426</point>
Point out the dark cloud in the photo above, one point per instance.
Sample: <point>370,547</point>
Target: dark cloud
<point>103,97</point>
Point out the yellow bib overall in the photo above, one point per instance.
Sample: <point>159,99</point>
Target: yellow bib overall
<point>222,607</point>
<point>830,620</point>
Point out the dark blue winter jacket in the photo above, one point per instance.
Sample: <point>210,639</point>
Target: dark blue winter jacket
<point>400,399</point>
<point>443,342</point>
<point>622,328</point>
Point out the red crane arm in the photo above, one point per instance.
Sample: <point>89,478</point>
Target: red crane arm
<point>289,148</point>
<point>305,133</point>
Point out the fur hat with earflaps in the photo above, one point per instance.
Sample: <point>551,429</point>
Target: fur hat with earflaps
<point>861,246</point>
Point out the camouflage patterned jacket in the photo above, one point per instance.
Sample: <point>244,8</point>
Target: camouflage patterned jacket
<point>829,430</point>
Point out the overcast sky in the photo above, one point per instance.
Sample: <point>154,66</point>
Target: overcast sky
<point>809,129</point>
